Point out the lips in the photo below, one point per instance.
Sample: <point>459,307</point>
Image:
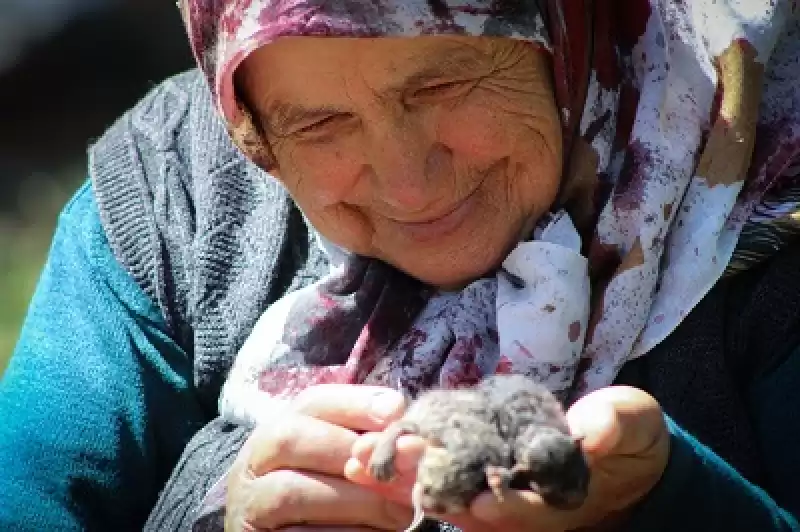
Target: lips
<point>441,225</point>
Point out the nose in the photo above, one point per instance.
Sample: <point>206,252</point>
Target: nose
<point>407,165</point>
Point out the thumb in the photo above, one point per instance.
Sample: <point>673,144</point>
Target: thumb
<point>616,420</point>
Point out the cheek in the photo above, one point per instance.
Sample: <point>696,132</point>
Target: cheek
<point>475,132</point>
<point>318,176</point>
<point>320,179</point>
<point>494,127</point>
<point>528,135</point>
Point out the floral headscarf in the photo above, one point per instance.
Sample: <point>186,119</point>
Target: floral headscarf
<point>681,123</point>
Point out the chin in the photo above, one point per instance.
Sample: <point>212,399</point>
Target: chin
<point>451,270</point>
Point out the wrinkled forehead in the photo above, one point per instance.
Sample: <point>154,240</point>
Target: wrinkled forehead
<point>223,33</point>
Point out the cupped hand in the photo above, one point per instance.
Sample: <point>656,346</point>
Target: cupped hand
<point>289,473</point>
<point>626,443</point>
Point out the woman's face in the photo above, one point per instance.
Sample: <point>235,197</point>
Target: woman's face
<point>433,154</point>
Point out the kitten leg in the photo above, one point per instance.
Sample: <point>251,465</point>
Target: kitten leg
<point>381,463</point>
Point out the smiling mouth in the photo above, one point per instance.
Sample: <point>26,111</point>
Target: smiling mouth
<point>440,225</point>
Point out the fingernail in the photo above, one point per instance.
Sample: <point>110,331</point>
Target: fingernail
<point>353,469</point>
<point>387,404</point>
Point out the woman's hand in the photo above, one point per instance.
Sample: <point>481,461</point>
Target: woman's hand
<point>288,475</point>
<point>627,446</point>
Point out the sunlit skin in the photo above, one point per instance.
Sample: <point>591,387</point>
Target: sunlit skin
<point>434,154</point>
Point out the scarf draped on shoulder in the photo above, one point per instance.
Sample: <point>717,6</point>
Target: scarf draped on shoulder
<point>681,127</point>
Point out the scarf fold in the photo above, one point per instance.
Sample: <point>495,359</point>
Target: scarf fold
<point>682,138</point>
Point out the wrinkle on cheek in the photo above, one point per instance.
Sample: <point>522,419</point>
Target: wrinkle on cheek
<point>521,81</point>
<point>536,117</point>
<point>544,149</point>
<point>291,170</point>
<point>510,187</point>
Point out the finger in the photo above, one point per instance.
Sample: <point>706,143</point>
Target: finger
<point>618,420</point>
<point>599,427</point>
<point>364,445</point>
<point>325,528</point>
<point>409,450</point>
<point>298,442</point>
<point>398,490</point>
<point>465,522</point>
<point>357,407</point>
<point>520,510</point>
<point>285,498</point>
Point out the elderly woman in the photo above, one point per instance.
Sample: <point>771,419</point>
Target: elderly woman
<point>353,199</point>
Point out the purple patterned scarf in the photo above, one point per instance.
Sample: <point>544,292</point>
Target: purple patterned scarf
<point>681,127</point>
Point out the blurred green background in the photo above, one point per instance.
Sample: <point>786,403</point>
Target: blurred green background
<point>68,69</point>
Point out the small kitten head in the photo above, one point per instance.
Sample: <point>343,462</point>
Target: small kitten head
<point>554,465</point>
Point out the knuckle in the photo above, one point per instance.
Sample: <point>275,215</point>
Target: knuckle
<point>239,506</point>
<point>276,504</point>
<point>283,439</point>
<point>272,444</point>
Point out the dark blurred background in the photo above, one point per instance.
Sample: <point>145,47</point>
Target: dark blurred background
<point>68,69</point>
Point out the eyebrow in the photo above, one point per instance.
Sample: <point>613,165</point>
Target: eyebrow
<point>450,61</point>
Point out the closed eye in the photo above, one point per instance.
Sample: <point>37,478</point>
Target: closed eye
<point>322,123</point>
<point>318,124</point>
<point>450,89</point>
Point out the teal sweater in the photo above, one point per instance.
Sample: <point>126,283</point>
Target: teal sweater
<point>97,405</point>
